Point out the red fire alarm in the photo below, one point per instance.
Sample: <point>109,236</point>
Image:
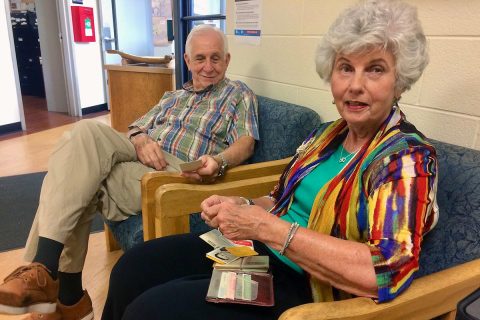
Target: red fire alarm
<point>83,24</point>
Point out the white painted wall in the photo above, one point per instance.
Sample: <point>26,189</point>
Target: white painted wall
<point>443,103</point>
<point>9,107</point>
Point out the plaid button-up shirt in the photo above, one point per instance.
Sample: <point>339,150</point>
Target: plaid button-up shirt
<point>189,124</point>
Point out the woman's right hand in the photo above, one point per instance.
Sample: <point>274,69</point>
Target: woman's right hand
<point>149,152</point>
<point>215,199</point>
<point>210,206</point>
<point>235,219</point>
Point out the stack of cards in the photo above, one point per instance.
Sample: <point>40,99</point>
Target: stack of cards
<point>241,287</point>
<point>226,251</point>
<point>230,285</point>
<point>249,264</point>
<point>239,274</point>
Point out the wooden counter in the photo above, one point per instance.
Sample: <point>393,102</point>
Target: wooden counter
<point>135,89</point>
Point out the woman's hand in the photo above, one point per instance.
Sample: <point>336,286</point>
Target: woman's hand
<point>234,219</point>
<point>210,207</point>
<point>206,173</point>
<point>149,152</point>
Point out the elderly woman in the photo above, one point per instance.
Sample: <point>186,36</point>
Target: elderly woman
<point>349,213</point>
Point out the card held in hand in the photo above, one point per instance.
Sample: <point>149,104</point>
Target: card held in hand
<point>241,287</point>
<point>177,165</point>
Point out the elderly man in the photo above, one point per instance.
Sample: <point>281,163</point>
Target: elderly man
<point>95,168</point>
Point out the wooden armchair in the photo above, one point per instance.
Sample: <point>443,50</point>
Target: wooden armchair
<point>282,127</point>
<point>431,296</point>
<point>153,181</point>
<point>152,186</point>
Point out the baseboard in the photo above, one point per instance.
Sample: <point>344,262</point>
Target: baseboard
<point>93,109</point>
<point>11,127</point>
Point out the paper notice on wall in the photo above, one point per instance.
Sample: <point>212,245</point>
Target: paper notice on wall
<point>248,18</point>
<point>161,12</point>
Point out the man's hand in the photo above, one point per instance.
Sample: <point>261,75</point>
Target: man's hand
<point>206,173</point>
<point>234,155</point>
<point>149,152</point>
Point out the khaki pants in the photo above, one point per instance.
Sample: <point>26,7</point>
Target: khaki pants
<point>93,168</point>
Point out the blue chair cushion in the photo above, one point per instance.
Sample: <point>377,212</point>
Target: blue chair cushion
<point>129,232</point>
<point>283,127</point>
<point>455,238</point>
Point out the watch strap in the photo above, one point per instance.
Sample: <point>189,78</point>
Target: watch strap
<point>136,133</point>
<point>223,166</point>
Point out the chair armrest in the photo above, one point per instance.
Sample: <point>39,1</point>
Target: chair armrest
<point>427,297</point>
<point>174,202</point>
<point>256,170</point>
<point>152,180</point>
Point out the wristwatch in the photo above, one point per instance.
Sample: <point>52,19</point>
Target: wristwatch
<point>136,133</point>
<point>223,165</point>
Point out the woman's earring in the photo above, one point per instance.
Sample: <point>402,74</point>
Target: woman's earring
<point>395,101</point>
<point>333,101</point>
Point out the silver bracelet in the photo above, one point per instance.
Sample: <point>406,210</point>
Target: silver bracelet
<point>271,198</point>
<point>291,233</point>
<point>248,201</point>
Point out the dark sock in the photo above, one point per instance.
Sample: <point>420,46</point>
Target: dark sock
<point>70,291</point>
<point>48,254</point>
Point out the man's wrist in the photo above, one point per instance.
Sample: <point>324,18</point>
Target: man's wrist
<point>222,164</point>
<point>135,134</point>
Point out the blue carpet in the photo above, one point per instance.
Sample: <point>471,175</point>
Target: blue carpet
<point>18,203</point>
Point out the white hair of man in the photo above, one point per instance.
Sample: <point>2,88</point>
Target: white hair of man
<point>201,29</point>
<point>389,24</point>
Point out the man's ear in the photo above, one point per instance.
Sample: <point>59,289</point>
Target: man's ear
<point>187,60</point>
<point>227,59</point>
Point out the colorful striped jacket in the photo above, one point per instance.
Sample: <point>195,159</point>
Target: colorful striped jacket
<point>385,197</point>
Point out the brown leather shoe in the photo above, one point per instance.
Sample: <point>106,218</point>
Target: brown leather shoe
<point>82,310</point>
<point>29,289</point>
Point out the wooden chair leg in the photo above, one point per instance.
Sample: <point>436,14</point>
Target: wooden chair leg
<point>112,244</point>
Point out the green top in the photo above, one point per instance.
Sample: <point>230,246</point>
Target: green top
<point>306,191</point>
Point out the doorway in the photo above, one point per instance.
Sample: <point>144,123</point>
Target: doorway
<point>38,42</point>
<point>38,53</point>
<point>58,75</point>
<point>29,59</point>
